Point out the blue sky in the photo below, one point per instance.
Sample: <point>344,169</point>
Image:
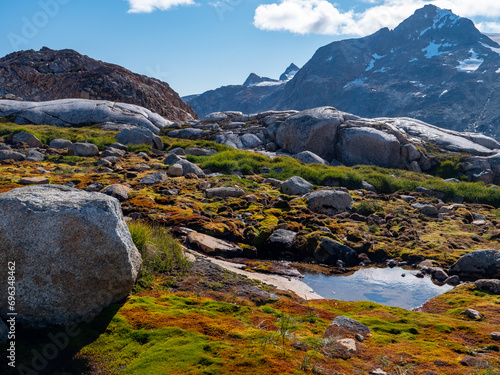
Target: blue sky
<point>197,45</point>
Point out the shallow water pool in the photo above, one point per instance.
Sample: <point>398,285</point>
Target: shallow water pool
<point>381,285</point>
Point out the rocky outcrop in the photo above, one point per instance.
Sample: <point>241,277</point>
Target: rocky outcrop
<point>73,253</point>
<point>80,112</point>
<point>49,75</point>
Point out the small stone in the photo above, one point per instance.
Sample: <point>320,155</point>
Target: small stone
<point>83,149</point>
<point>200,151</point>
<point>344,324</point>
<point>224,192</point>
<point>473,314</point>
<point>34,181</point>
<point>495,336</point>
<point>176,151</point>
<point>60,143</point>
<point>426,209</point>
<point>175,170</point>
<point>118,191</point>
<point>265,170</point>
<point>474,362</point>
<point>155,178</point>
<point>28,138</point>
<point>35,156</point>
<point>94,187</point>
<point>359,337</point>
<point>213,246</point>
<point>296,186</point>
<point>273,182</point>
<point>348,344</point>
<point>104,162</point>
<point>452,280</point>
<point>378,371</point>
<point>142,167</point>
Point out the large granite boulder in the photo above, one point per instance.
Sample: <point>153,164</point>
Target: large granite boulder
<point>312,130</point>
<point>72,250</point>
<point>365,145</point>
<point>296,186</point>
<point>81,112</point>
<point>483,264</point>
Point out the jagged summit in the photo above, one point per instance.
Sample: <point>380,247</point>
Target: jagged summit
<point>289,72</point>
<point>254,79</point>
<point>51,74</point>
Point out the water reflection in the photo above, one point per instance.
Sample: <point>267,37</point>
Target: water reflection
<point>382,285</point>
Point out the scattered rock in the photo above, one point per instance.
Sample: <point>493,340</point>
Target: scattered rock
<point>175,170</point>
<point>34,181</point>
<point>139,136</point>
<point>213,246</point>
<point>426,209</point>
<point>330,251</point>
<point>438,274</point>
<point>171,159</point>
<point>474,362</point>
<point>329,202</point>
<point>345,325</point>
<point>155,178</point>
<point>348,344</point>
<point>296,186</point>
<point>279,244</point>
<point>190,168</point>
<point>28,138</point>
<point>273,182</point>
<point>378,371</point>
<point>452,280</point>
<point>478,264</point>
<point>118,191</point>
<point>495,336</point>
<point>94,187</point>
<point>488,285</point>
<point>35,156</point>
<point>308,157</point>
<point>83,149</point>
<point>200,151</point>
<point>62,242</point>
<point>224,192</point>
<point>110,151</point>
<point>473,314</point>
<point>11,155</point>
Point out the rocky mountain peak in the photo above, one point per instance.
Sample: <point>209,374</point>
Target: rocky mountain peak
<point>254,79</point>
<point>289,72</point>
<point>50,74</point>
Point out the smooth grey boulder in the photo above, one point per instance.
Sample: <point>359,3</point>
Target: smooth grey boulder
<point>81,112</point>
<point>296,186</point>
<point>365,145</point>
<point>172,159</point>
<point>482,264</point>
<point>155,178</point>
<point>11,155</point>
<point>312,130</point>
<point>28,138</point>
<point>329,202</point>
<point>188,167</point>
<point>250,141</point>
<point>118,191</point>
<point>73,252</point>
<point>175,170</point>
<point>139,136</point>
<point>224,192</point>
<point>34,155</point>
<point>330,251</point>
<point>199,151</point>
<point>83,149</point>
<point>308,157</point>
<point>60,143</point>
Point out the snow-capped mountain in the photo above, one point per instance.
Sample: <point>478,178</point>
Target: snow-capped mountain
<point>434,66</point>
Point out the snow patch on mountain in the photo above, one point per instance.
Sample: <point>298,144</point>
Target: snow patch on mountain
<point>470,65</point>
<point>433,49</point>
<point>357,82</point>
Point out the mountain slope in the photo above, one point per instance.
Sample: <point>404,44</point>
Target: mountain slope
<point>48,75</point>
<point>434,66</point>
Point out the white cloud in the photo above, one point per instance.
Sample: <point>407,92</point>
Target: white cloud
<point>148,6</point>
<point>322,17</point>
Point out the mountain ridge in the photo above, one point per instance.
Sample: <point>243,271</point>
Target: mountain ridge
<point>435,66</point>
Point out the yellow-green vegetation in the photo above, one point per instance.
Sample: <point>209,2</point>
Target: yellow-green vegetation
<point>181,321</point>
<point>161,253</point>
<point>161,332</point>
